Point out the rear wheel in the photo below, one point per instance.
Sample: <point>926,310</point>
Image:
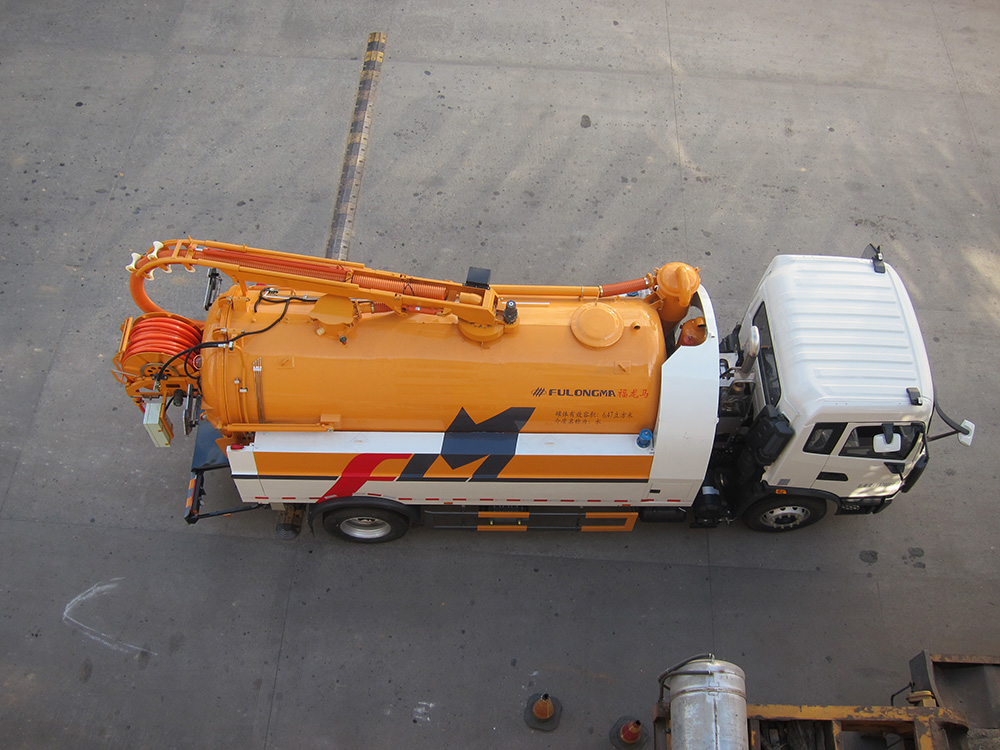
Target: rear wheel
<point>784,513</point>
<point>365,525</point>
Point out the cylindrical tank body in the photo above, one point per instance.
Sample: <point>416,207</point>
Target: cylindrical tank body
<point>567,365</point>
<point>708,706</point>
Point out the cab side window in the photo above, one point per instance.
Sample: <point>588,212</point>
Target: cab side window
<point>824,437</point>
<point>861,442</point>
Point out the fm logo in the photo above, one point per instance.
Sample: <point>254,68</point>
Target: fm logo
<point>465,441</point>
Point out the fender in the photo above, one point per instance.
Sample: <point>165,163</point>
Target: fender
<point>409,512</point>
<point>844,505</point>
<point>765,489</point>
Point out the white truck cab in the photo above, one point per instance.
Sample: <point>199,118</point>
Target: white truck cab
<point>835,378</point>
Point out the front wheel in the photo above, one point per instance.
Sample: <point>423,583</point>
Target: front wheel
<point>365,525</point>
<point>784,513</point>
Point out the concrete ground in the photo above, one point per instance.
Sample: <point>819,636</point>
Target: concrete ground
<point>553,141</point>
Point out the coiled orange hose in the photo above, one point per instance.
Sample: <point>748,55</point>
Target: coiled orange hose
<point>161,335</point>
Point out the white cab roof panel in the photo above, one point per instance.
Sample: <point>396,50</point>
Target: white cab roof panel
<point>845,338</point>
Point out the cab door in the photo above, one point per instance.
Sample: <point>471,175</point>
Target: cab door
<point>860,465</point>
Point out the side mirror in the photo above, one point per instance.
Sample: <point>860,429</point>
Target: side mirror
<point>887,441</point>
<point>753,349</point>
<point>965,438</point>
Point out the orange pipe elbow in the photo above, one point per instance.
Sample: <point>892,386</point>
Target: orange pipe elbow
<point>137,287</point>
<point>625,287</point>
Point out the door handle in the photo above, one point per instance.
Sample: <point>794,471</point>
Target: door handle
<point>831,476</point>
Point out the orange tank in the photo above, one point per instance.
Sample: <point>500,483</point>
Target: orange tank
<point>567,366</point>
<point>310,344</point>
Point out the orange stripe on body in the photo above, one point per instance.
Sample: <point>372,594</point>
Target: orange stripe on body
<point>302,464</point>
<point>578,467</point>
<point>628,518</point>
<point>440,469</point>
<point>501,527</point>
<point>390,466</point>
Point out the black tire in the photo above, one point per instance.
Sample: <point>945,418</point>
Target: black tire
<point>784,513</point>
<point>365,525</point>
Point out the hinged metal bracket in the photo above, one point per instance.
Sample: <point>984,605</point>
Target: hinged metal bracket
<point>875,255</point>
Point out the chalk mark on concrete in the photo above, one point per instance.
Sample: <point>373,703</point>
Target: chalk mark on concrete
<point>422,711</point>
<point>111,642</point>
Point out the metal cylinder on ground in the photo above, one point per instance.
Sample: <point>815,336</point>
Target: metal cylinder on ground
<point>708,704</point>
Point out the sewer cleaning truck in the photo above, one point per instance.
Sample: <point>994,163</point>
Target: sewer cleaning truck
<point>375,401</point>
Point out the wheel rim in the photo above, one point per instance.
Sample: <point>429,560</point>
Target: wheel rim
<point>785,516</point>
<point>365,527</point>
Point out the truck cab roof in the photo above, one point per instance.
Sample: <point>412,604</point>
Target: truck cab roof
<point>846,341</point>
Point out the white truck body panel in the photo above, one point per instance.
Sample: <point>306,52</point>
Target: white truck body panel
<point>374,463</point>
<point>688,413</point>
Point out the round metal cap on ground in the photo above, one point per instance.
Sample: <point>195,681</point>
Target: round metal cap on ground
<point>542,712</point>
<point>627,733</point>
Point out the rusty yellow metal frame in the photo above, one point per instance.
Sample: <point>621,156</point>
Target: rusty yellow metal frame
<point>927,726</point>
<point>927,723</point>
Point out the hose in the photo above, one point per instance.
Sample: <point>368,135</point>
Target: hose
<point>662,679</point>
<point>299,266</point>
<point>398,286</point>
<point>625,287</point>
<point>251,259</point>
<point>284,265</point>
<point>161,335</point>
